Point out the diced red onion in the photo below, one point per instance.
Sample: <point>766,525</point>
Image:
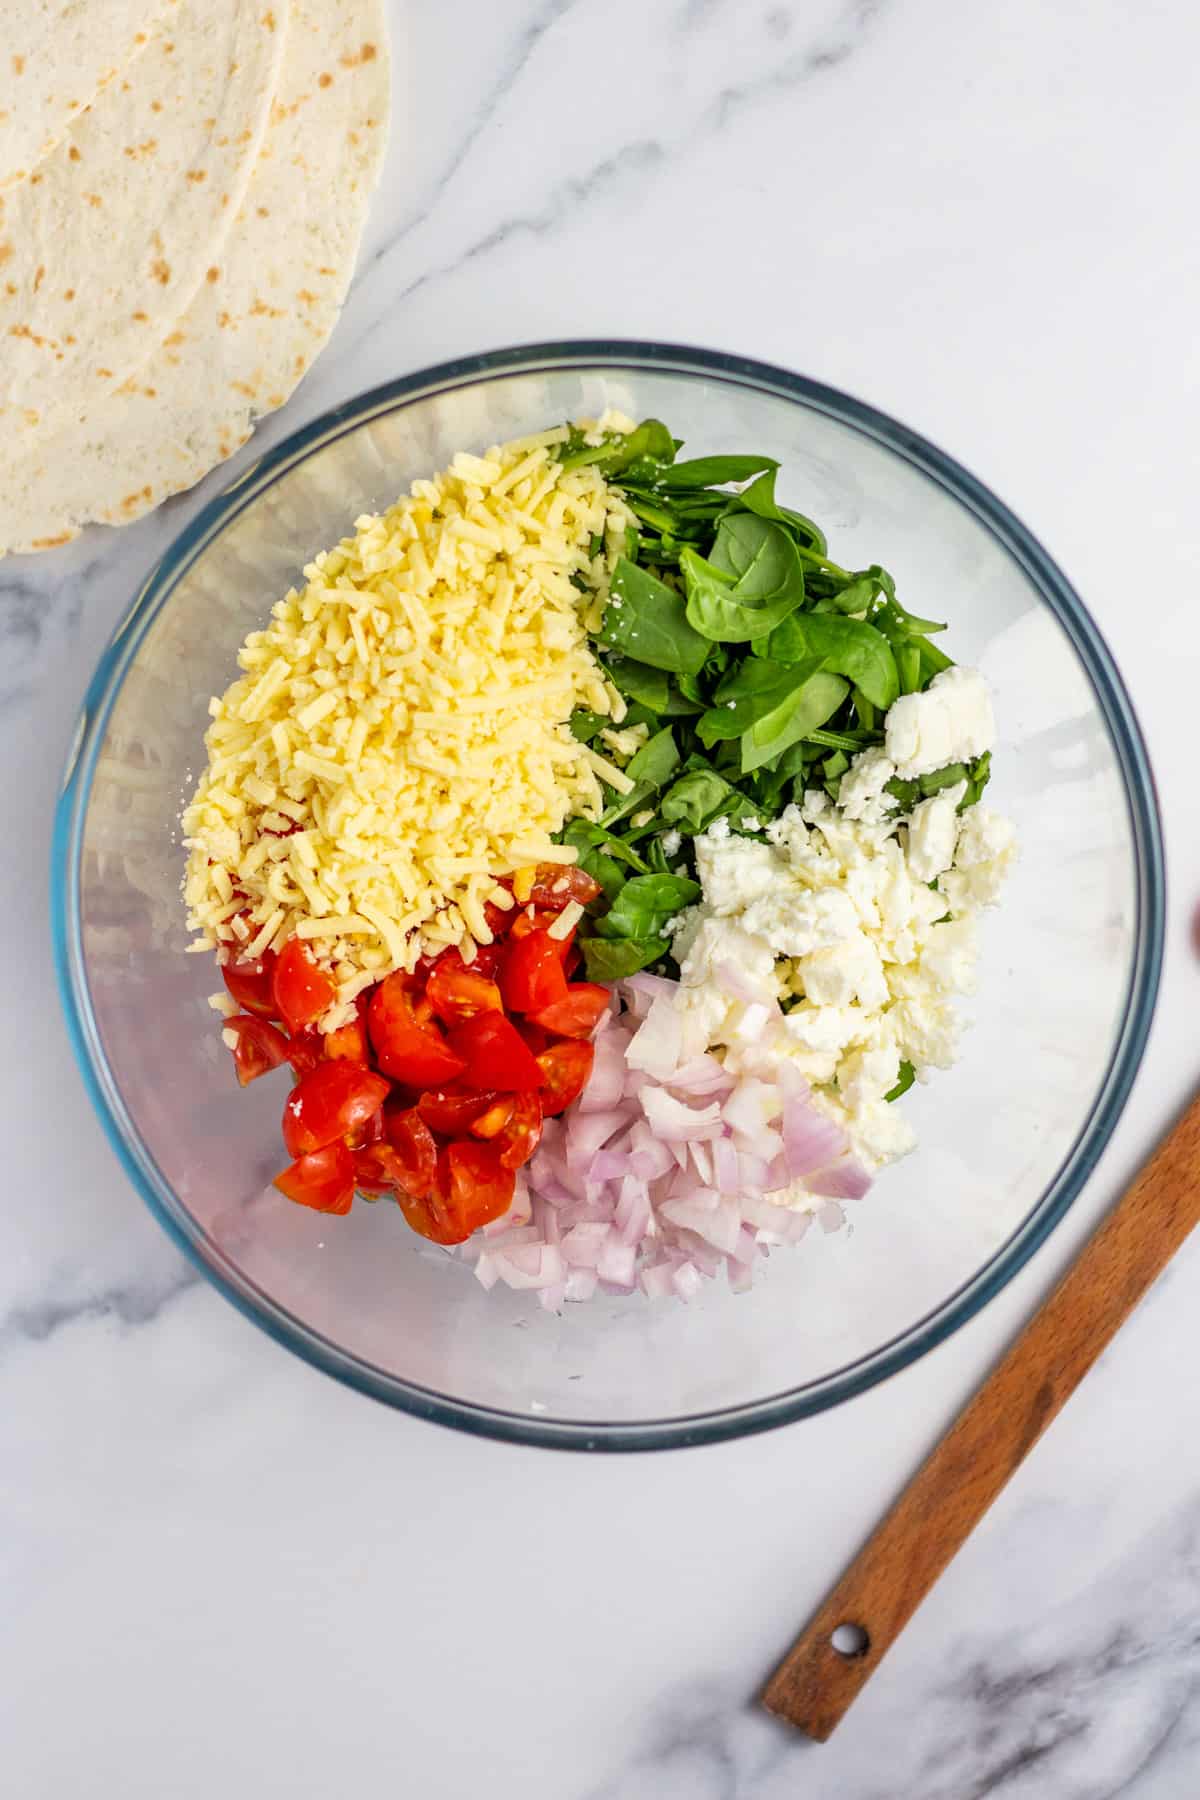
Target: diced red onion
<point>687,1281</point>
<point>580,1284</point>
<point>810,1140</point>
<point>672,1120</point>
<point>844,1180</point>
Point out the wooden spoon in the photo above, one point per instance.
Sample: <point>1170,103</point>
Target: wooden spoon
<point>818,1680</point>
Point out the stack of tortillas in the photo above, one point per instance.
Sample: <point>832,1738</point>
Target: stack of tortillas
<point>183,186</point>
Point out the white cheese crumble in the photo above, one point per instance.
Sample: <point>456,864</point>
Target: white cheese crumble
<point>950,722</point>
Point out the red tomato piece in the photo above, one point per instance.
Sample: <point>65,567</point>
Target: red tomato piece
<point>531,975</point>
<point>452,1110</point>
<point>250,984</point>
<point>556,885</point>
<point>302,991</point>
<point>471,1189</point>
<point>306,1051</point>
<point>414,1152</point>
<point>493,1054</point>
<point>533,1035</point>
<point>578,1013</point>
<point>529,919</point>
<point>259,1047</point>
<point>521,1132</point>
<point>565,1069</point>
<point>375,1170</point>
<point>324,1179</point>
<point>335,1100</point>
<point>571,960</point>
<point>458,991</point>
<point>348,1043</point>
<point>491,1122</point>
<point>410,1052</point>
<point>487,960</point>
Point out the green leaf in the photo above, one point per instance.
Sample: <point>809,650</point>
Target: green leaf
<point>585,835</point>
<point>752,690</point>
<point>907,1076</point>
<point>645,905</point>
<point>933,660</point>
<point>648,621</point>
<point>620,450</point>
<point>908,667</point>
<point>759,498</point>
<point>696,799</point>
<point>605,960</point>
<point>657,759</point>
<point>939,779</point>
<point>807,708</point>
<point>711,471</point>
<point>760,557</point>
<point>906,793</point>
<point>848,647</point>
<point>638,681</point>
<point>725,611</point>
<point>584,725</point>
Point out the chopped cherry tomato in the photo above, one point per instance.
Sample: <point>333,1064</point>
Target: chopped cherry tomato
<point>259,1047</point>
<point>527,919</point>
<point>491,1122</point>
<point>565,1069</point>
<point>487,960</point>
<point>301,990</point>
<point>410,1052</point>
<point>531,975</point>
<point>414,1153</point>
<point>493,1054</point>
<point>382,1169</point>
<point>452,1110</point>
<point>306,1051</point>
<point>456,991</point>
<point>472,1188</point>
<point>250,984</point>
<point>556,885</point>
<point>533,1035</point>
<point>577,1014</point>
<point>324,1179</point>
<point>348,1043</point>
<point>336,1099</point>
<point>571,960</point>
<point>518,1136</point>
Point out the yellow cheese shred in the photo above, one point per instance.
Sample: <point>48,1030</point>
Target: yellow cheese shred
<point>398,736</point>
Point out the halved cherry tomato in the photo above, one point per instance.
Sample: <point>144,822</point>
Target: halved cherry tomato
<point>493,1054</point>
<point>250,984</point>
<point>414,1153</point>
<point>487,960</point>
<point>492,1120</point>
<point>306,1051</point>
<point>410,1052</point>
<point>528,919</point>
<point>348,1043</point>
<point>259,1047</point>
<point>472,1188</point>
<point>577,1013</point>
<point>565,1069</point>
<point>302,991</point>
<point>336,1099</point>
<point>533,1035</point>
<point>531,975</point>
<point>557,885</point>
<point>381,1169</point>
<point>518,1135</point>
<point>456,991</point>
<point>571,960</point>
<point>452,1110</point>
<point>324,1180</point>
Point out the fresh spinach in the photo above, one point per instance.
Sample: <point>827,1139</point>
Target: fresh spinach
<point>647,619</point>
<point>712,471</point>
<point>848,647</point>
<point>907,1076</point>
<point>657,759</point>
<point>613,959</point>
<point>806,709</point>
<point>649,443</point>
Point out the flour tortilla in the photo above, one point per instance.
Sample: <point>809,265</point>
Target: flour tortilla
<point>105,243</point>
<point>243,344</point>
<point>55,56</point>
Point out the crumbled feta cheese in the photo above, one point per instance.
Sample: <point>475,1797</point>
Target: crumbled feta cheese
<point>950,722</point>
<point>861,794</point>
<point>734,872</point>
<point>845,971</point>
<point>795,921</point>
<point>933,833</point>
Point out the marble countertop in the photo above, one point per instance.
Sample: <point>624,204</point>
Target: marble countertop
<point>224,1574</point>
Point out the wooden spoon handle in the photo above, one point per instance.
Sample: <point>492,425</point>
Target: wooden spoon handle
<point>816,1682</point>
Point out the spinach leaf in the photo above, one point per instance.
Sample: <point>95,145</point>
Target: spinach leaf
<point>804,710</point>
<point>933,660</point>
<point>648,620</point>
<point>710,471</point>
<point>748,693</point>
<point>980,775</point>
<point>585,835</point>
<point>731,612</point>
<point>760,557</point>
<point>584,724</point>
<point>605,960</point>
<point>759,498</point>
<point>849,647</point>
<point>657,759</point>
<point>638,681</point>
<point>698,798</point>
<point>908,666</point>
<point>906,793</point>
<point>645,905</point>
<point>938,779</point>
<point>907,1076</point>
<point>620,450</point>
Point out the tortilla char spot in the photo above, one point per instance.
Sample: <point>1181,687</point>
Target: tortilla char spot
<point>34,179</point>
<point>224,320</point>
<point>268,20</point>
<point>307,295</point>
<point>160,270</point>
<point>6,251</point>
<point>150,393</point>
<point>298,364</point>
<point>93,200</point>
<point>73,153</point>
<point>70,338</point>
<point>142,318</point>
<point>156,106</point>
<point>274,399</point>
<point>146,493</point>
<point>214,274</point>
<point>105,374</point>
<point>197,174</point>
<point>39,277</point>
<point>243,387</point>
<point>263,212</point>
<point>52,543</point>
<point>68,293</point>
<point>10,287</point>
<point>18,65</point>
<point>129,502</point>
<point>31,416</point>
<point>324,80</point>
<point>169,50</point>
<point>324,270</point>
<point>176,337</point>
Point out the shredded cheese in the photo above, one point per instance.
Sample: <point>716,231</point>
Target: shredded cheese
<point>398,736</point>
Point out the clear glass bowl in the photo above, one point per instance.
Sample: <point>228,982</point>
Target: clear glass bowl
<point>1071,960</point>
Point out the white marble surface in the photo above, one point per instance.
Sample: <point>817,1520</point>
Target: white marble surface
<point>221,1573</point>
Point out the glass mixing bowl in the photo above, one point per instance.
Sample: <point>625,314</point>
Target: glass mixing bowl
<point>1007,1138</point>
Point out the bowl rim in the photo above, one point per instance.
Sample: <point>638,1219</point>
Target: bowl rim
<point>1093,1134</point>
